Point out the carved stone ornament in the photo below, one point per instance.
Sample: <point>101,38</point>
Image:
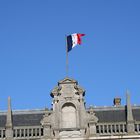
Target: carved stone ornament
<point>46,119</point>
<point>70,134</point>
<point>55,91</point>
<point>79,90</point>
<point>92,117</point>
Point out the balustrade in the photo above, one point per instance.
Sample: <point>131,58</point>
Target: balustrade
<point>34,132</point>
<point>2,133</point>
<point>107,129</point>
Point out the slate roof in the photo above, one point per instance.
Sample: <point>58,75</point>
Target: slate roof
<point>25,118</point>
<point>136,114</point>
<point>116,114</point>
<point>104,114</point>
<point>2,120</point>
<point>111,116</point>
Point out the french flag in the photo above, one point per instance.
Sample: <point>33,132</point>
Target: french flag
<point>73,40</point>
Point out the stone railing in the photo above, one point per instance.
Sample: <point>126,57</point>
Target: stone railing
<point>27,132</point>
<point>2,133</point>
<point>110,129</point>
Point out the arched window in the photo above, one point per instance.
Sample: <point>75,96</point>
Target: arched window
<point>68,116</point>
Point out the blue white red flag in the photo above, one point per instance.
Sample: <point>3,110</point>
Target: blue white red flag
<point>73,40</point>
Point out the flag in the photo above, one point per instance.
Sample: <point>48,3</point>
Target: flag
<point>73,40</point>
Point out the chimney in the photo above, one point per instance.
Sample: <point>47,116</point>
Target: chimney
<point>117,101</point>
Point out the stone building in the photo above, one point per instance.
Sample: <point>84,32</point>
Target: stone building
<point>70,119</point>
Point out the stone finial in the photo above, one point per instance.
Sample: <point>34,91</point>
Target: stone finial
<point>129,108</point>
<point>130,120</point>
<point>46,119</point>
<point>9,126</point>
<point>92,122</point>
<point>92,116</point>
<point>9,114</point>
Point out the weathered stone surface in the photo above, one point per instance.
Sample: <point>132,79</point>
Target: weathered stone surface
<point>69,119</point>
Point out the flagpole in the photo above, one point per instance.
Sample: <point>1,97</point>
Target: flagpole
<point>66,58</point>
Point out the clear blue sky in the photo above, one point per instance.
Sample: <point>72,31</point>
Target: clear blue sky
<point>32,50</point>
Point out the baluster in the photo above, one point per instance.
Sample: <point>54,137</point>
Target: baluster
<point>107,129</point>
<point>1,133</point>
<point>111,129</point>
<point>16,133</point>
<point>35,131</point>
<point>103,128</point>
<point>31,132</point>
<point>23,132</point>
<point>28,132</point>
<point>123,128</point>
<point>119,128</point>
<point>39,131</point>
<point>138,128</point>
<point>19,132</point>
<point>115,128</point>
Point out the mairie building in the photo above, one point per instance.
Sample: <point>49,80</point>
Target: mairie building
<point>70,119</point>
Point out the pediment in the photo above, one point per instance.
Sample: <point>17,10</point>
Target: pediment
<point>67,80</point>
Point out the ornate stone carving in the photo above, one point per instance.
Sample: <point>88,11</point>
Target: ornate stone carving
<point>92,122</point>
<point>46,123</point>
<point>69,134</point>
<point>46,119</point>
<point>92,117</point>
<point>79,90</point>
<point>55,91</point>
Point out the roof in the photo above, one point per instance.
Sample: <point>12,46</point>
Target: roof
<point>23,118</point>
<point>104,114</point>
<point>115,114</point>
<point>27,119</point>
<point>111,116</point>
<point>2,120</point>
<point>136,114</point>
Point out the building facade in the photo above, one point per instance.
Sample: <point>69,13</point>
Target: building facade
<point>69,119</point>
